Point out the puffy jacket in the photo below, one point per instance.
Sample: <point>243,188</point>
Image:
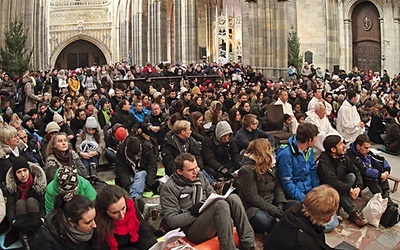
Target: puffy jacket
<point>296,170</point>
<point>371,166</point>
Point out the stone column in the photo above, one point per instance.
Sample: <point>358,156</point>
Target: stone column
<point>139,32</point>
<point>186,45</point>
<point>157,32</point>
<point>264,34</point>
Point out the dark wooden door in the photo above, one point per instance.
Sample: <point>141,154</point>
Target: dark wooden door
<point>366,37</point>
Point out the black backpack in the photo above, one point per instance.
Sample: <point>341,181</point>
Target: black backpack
<point>390,217</point>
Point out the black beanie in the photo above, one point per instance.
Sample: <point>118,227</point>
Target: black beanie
<point>18,163</point>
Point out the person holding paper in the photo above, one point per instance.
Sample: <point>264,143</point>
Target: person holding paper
<point>260,188</point>
<point>181,198</point>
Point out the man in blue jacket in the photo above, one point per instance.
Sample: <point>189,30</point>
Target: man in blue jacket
<point>374,169</point>
<point>295,162</point>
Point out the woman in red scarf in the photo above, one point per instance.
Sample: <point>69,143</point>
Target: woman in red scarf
<point>26,185</point>
<point>119,222</point>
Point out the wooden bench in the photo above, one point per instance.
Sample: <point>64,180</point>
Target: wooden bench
<point>396,182</point>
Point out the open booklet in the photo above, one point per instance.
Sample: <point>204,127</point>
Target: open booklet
<point>215,197</point>
<point>172,241</point>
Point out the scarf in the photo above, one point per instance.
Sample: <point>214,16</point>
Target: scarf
<point>128,225</point>
<point>107,114</point>
<point>24,187</point>
<point>75,235</point>
<point>55,111</point>
<point>65,158</point>
<point>197,194</point>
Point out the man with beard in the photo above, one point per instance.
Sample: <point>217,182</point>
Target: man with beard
<point>336,169</point>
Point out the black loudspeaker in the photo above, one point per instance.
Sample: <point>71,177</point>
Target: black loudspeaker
<point>336,69</point>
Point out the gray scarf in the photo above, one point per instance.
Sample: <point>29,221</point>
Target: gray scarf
<point>196,185</point>
<point>75,235</point>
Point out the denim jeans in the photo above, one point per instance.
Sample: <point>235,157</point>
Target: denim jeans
<point>264,222</point>
<point>138,183</point>
<point>110,156</point>
<point>345,199</point>
<point>87,162</point>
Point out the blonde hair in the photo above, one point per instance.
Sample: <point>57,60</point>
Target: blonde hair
<point>260,151</point>
<point>320,204</point>
<point>6,133</point>
<point>181,125</point>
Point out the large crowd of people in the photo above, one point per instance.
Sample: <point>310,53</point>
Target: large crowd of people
<point>207,129</point>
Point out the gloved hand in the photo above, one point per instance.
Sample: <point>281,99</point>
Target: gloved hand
<point>280,206</point>
<point>194,211</point>
<point>225,172</point>
<point>278,214</point>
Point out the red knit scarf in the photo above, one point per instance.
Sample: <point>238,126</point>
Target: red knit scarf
<point>24,187</point>
<point>130,224</point>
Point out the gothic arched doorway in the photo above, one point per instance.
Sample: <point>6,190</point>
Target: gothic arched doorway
<point>80,53</point>
<point>366,37</point>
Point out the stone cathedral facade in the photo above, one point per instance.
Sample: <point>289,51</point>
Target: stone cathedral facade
<point>333,33</point>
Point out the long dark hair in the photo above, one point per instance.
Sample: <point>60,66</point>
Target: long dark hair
<point>69,206</point>
<point>105,197</point>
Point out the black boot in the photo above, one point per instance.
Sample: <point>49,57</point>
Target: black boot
<point>24,241</point>
<point>386,194</point>
<point>11,237</point>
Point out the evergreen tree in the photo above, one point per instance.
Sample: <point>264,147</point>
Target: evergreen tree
<point>15,58</point>
<point>294,56</point>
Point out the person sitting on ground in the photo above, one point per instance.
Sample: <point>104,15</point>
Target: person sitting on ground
<point>302,226</point>
<point>70,225</point>
<point>90,144</point>
<point>185,192</point>
<point>136,165</point>
<point>26,185</point>
<point>250,131</point>
<point>178,141</point>
<point>392,140</point>
<point>220,153</point>
<point>336,169</point>
<point>67,180</point>
<point>374,169</point>
<point>260,188</point>
<point>60,154</point>
<point>119,222</point>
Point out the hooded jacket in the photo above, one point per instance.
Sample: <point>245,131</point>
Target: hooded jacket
<point>296,170</point>
<point>295,231</point>
<point>36,191</point>
<point>218,155</point>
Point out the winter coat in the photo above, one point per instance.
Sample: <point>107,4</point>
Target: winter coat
<point>333,171</point>
<point>295,231</point>
<point>217,154</point>
<point>36,191</point>
<point>31,99</point>
<point>258,194</point>
<point>176,201</point>
<point>73,85</point>
<point>392,140</point>
<point>49,237</point>
<point>101,142</point>
<point>370,166</point>
<point>6,157</point>
<point>296,170</point>
<point>170,151</point>
<point>124,169</point>
<point>244,137</point>
<point>53,189</point>
<point>125,118</point>
<point>52,165</point>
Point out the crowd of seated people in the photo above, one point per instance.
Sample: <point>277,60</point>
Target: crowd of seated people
<point>58,126</point>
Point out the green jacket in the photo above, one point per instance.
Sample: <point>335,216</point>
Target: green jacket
<point>52,190</point>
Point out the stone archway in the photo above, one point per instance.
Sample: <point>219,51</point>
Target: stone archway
<point>366,37</point>
<point>79,53</point>
<point>90,42</point>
